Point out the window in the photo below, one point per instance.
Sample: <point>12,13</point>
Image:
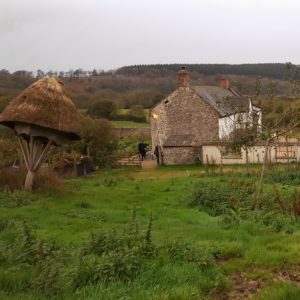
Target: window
<point>286,151</point>
<point>230,154</point>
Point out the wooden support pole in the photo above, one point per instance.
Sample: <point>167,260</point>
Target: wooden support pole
<point>24,153</point>
<point>33,152</point>
<point>29,181</point>
<point>39,160</point>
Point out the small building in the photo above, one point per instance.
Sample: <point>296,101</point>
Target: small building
<point>192,120</point>
<point>280,150</point>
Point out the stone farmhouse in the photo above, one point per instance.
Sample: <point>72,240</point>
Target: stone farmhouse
<point>191,124</point>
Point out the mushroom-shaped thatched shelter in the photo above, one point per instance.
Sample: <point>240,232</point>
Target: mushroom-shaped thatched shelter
<point>41,116</point>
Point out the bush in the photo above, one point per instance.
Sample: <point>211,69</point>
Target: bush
<point>99,137</point>
<point>32,251</point>
<point>103,109</point>
<point>14,199</point>
<point>137,114</point>
<point>8,151</point>
<point>108,258</point>
<point>218,197</point>
<point>12,179</point>
<point>283,178</point>
<point>122,256</point>
<point>230,219</point>
<point>179,252</point>
<point>48,181</point>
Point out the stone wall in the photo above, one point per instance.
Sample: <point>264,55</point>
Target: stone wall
<point>184,112</point>
<point>180,155</point>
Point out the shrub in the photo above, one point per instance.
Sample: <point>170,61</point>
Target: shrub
<point>8,151</point>
<point>137,114</point>
<point>179,252</point>
<point>230,219</point>
<point>14,199</point>
<point>103,109</point>
<point>31,250</point>
<point>218,197</point>
<point>108,258</point>
<point>48,280</point>
<point>12,179</point>
<point>84,204</point>
<point>296,203</point>
<point>48,181</point>
<point>274,220</point>
<point>99,137</point>
<point>283,178</point>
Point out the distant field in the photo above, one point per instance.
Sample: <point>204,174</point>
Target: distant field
<point>125,124</point>
<point>129,124</point>
<point>125,111</point>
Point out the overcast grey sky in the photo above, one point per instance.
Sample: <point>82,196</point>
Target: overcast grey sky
<point>106,34</point>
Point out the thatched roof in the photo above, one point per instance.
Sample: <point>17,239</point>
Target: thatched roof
<point>44,104</point>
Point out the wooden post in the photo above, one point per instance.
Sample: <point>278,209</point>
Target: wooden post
<point>33,151</point>
<point>29,181</point>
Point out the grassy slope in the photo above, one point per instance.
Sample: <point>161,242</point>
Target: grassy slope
<point>162,192</point>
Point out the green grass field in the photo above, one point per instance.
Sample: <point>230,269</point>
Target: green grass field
<point>129,124</point>
<point>232,259</point>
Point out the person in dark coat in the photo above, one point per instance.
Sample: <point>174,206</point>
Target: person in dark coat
<point>142,147</point>
<point>156,153</point>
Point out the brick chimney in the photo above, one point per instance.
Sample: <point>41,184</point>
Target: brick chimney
<point>224,83</point>
<point>183,77</point>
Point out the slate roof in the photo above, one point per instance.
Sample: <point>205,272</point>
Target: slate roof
<point>185,140</point>
<point>225,101</point>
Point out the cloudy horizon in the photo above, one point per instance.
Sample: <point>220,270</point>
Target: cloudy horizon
<point>107,34</point>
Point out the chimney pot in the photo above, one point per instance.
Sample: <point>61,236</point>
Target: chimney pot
<point>183,77</point>
<point>224,83</point>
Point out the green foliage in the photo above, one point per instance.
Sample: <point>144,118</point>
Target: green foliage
<point>112,256</point>
<point>274,220</point>
<point>33,251</point>
<point>98,135</point>
<point>137,114</point>
<point>219,197</point>
<point>269,70</point>
<point>14,199</point>
<point>11,179</point>
<point>103,109</point>
<point>3,102</point>
<point>230,219</point>
<point>179,253</point>
<point>86,215</point>
<point>8,151</point>
<point>84,204</point>
<point>291,178</point>
<point>48,282</point>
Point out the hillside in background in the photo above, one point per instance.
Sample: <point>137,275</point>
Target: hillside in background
<point>146,84</point>
<point>277,70</point>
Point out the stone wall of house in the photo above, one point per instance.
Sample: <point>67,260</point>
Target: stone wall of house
<point>184,112</point>
<point>180,155</point>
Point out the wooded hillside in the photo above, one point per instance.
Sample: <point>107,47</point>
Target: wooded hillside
<point>147,84</point>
